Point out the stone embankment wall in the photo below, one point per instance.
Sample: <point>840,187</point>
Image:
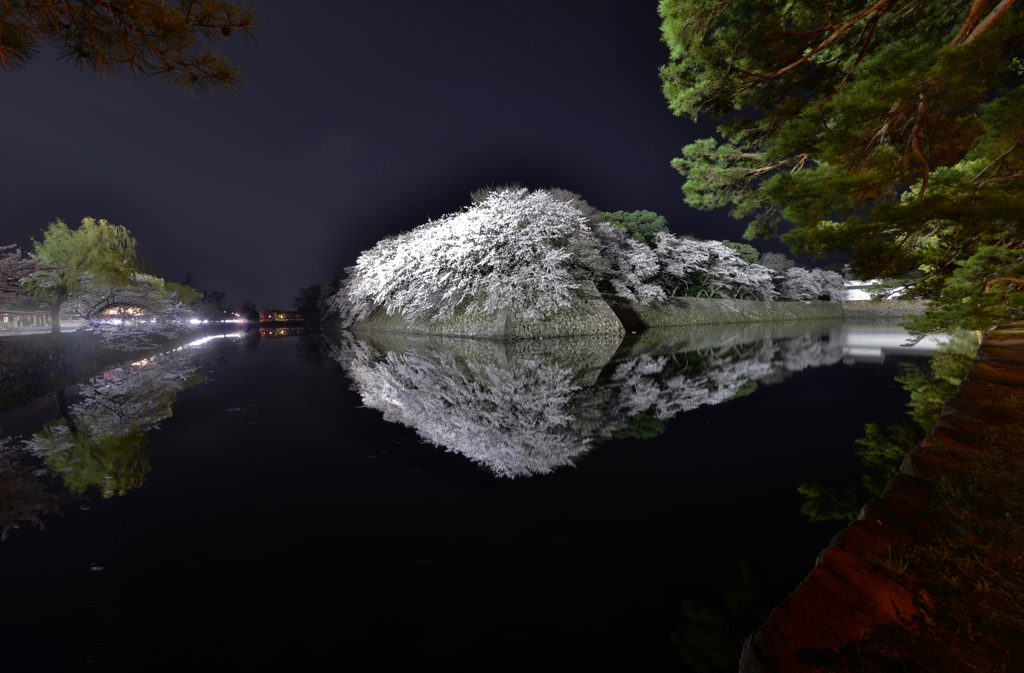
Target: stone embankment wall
<point>589,314</point>
<point>593,313</point>
<point>682,338</point>
<point>929,576</point>
<point>887,309</point>
<point>693,311</point>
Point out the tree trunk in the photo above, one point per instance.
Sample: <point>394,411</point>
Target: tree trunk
<point>55,320</point>
<point>58,301</point>
<point>62,409</point>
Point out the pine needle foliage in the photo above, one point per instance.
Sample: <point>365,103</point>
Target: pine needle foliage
<point>886,129</point>
<point>170,39</point>
<point>642,225</point>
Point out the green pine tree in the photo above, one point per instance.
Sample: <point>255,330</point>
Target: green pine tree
<point>642,225</point>
<point>886,129</point>
<point>143,37</point>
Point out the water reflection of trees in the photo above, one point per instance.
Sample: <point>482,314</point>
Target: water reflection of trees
<point>710,637</point>
<point>882,451</point>
<point>101,440</point>
<point>527,408</point>
<point>24,498</point>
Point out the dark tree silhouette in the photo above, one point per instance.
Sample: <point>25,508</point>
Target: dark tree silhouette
<point>142,37</point>
<point>307,302</point>
<point>249,311</point>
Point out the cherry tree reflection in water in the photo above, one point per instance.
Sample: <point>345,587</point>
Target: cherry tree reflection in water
<point>527,408</point>
<point>24,498</point>
<point>101,441</point>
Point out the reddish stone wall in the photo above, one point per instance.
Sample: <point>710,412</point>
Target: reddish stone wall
<point>832,620</point>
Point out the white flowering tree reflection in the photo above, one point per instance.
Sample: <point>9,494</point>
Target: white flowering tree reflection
<point>516,420</point>
<point>536,409</point>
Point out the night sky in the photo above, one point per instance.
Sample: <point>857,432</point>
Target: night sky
<point>357,120</point>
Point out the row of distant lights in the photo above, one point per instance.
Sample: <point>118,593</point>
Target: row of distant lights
<point>193,321</point>
<point>197,321</point>
<point>118,321</point>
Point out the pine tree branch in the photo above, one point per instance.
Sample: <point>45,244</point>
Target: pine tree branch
<point>988,21</point>
<point>1005,279</point>
<point>997,160</point>
<point>914,145</point>
<point>974,15</point>
<point>839,31</point>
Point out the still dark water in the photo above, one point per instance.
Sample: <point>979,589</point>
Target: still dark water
<point>287,501</point>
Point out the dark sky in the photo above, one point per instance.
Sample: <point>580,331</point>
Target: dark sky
<point>358,119</point>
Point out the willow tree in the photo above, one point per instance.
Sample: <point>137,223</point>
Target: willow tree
<point>890,130</point>
<point>97,251</point>
<point>143,37</point>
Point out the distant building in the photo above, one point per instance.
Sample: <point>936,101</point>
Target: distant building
<point>118,311</point>
<point>12,320</point>
<point>272,315</point>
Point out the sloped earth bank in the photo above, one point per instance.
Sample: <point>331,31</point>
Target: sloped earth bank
<point>931,575</point>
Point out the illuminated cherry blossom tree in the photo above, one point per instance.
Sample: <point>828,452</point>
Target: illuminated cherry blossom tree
<point>14,267</point>
<point>144,311</point>
<point>527,252</point>
<point>505,252</point>
<point>810,284</point>
<point>711,269</point>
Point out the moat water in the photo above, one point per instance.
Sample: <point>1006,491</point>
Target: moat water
<point>292,500</point>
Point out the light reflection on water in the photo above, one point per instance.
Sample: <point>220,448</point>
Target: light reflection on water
<point>100,441</point>
<point>530,407</point>
<point>518,409</point>
<point>271,448</point>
